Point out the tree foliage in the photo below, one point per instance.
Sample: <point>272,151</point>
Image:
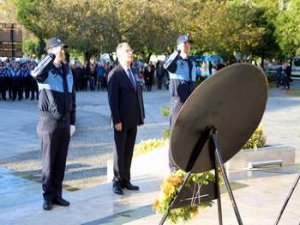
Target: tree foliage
<point>255,28</point>
<point>98,25</point>
<point>288,29</point>
<point>7,11</point>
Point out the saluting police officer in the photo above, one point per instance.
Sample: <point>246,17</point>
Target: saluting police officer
<point>57,119</point>
<point>182,72</point>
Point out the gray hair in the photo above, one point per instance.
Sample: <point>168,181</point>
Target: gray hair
<point>54,50</point>
<point>120,47</point>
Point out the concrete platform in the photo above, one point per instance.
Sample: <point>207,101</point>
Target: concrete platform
<point>284,154</point>
<point>259,194</point>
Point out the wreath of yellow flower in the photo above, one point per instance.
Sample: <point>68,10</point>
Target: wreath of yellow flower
<point>169,189</point>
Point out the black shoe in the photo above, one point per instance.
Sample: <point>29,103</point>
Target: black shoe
<point>131,187</point>
<point>47,205</point>
<point>61,202</point>
<point>117,189</point>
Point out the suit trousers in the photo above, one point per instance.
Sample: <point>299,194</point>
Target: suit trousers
<point>124,140</point>
<point>55,139</point>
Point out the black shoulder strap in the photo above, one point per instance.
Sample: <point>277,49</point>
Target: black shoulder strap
<point>190,63</point>
<point>65,72</point>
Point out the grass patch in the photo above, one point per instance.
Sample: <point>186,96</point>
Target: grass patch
<point>293,93</point>
<point>165,111</point>
<point>149,145</point>
<point>28,176</point>
<point>70,188</point>
<point>272,84</point>
<point>257,140</point>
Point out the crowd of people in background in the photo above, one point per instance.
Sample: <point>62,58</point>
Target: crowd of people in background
<point>17,84</point>
<point>15,80</point>
<point>93,76</point>
<point>205,69</point>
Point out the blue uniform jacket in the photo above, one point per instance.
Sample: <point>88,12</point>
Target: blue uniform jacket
<point>182,76</point>
<point>54,99</point>
<point>178,68</point>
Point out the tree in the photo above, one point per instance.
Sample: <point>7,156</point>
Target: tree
<point>7,11</point>
<point>288,30</point>
<point>266,17</point>
<point>33,16</point>
<point>157,32</point>
<point>226,27</point>
<point>95,26</point>
<point>98,25</point>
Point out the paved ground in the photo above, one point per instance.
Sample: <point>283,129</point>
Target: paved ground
<point>91,147</point>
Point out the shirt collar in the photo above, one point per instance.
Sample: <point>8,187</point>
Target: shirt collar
<point>125,67</point>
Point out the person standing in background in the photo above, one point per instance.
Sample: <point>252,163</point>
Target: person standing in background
<point>2,82</point>
<point>161,74</point>
<point>149,76</point>
<point>287,76</point>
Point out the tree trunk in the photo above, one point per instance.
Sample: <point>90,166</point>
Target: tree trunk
<point>40,48</point>
<point>262,60</point>
<point>87,57</point>
<point>148,57</point>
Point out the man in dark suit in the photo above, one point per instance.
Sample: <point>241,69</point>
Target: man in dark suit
<point>126,105</point>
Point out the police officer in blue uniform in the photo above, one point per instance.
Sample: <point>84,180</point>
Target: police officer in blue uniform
<point>2,82</point>
<point>182,72</point>
<point>26,79</point>
<point>57,119</point>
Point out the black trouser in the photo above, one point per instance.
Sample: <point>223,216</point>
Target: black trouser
<point>9,87</point>
<point>55,138</point>
<point>14,87</point>
<point>3,87</point>
<point>123,152</point>
<point>20,87</point>
<point>34,89</point>
<point>179,91</point>
<point>27,86</point>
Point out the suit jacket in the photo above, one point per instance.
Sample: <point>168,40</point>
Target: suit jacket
<point>126,103</point>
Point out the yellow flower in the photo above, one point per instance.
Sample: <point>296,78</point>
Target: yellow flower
<point>170,187</point>
<point>194,211</point>
<point>169,190</point>
<point>174,180</point>
<point>155,204</point>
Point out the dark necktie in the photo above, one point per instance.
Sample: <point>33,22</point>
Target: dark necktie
<point>131,77</point>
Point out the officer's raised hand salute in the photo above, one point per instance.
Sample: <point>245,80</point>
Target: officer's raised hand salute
<point>40,72</point>
<point>170,63</point>
<point>57,119</point>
